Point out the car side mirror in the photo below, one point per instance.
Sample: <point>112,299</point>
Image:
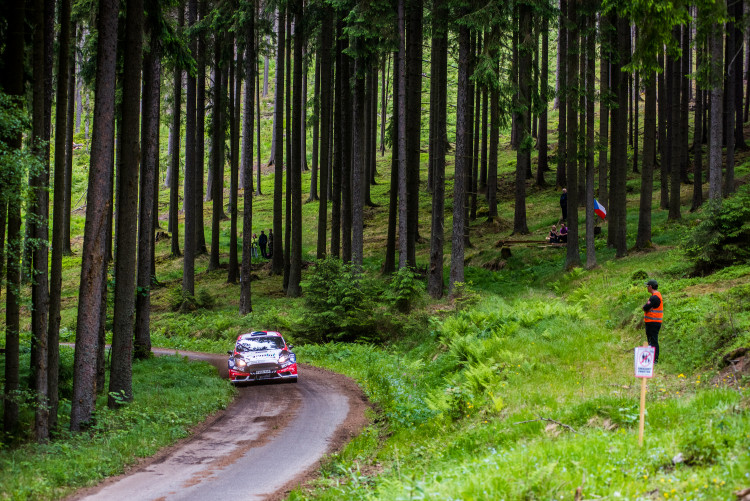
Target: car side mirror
<point>229,353</point>
<point>290,346</point>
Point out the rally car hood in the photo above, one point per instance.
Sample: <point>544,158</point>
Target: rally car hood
<point>257,357</point>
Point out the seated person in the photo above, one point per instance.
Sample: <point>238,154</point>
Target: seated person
<point>553,237</point>
<point>563,234</point>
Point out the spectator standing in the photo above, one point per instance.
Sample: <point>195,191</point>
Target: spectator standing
<point>564,204</point>
<point>263,241</point>
<point>652,317</point>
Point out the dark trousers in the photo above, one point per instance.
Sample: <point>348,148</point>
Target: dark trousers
<point>263,250</point>
<point>652,335</point>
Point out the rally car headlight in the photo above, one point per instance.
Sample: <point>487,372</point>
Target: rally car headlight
<point>240,363</point>
<point>284,358</point>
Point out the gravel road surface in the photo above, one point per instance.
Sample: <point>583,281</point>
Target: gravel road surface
<point>270,440</point>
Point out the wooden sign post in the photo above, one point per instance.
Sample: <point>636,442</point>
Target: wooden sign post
<point>644,369</point>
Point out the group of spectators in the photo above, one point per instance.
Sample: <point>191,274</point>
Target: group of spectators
<point>265,242</point>
<point>558,237</point>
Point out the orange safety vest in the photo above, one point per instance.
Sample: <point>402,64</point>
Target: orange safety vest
<point>655,314</point>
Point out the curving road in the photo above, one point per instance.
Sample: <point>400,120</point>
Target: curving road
<point>270,440</point>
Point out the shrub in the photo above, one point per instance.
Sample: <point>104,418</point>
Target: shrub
<point>404,288</point>
<point>338,307</point>
<point>723,237</point>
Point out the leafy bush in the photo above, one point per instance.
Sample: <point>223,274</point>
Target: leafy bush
<point>404,289</point>
<point>723,237</point>
<point>338,307</point>
<point>183,302</point>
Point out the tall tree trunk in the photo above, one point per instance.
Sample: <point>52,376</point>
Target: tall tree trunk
<point>200,137</point>
<point>643,238</point>
<point>403,211</point>
<point>439,81</point>
<point>173,176</point>
<point>316,131</point>
<point>542,163</point>
<point>716,49</point>
<point>190,192</point>
<point>290,161</point>
<point>359,177</point>
<point>326,101</point>
<point>38,212</point>
<point>69,127</point>
<point>685,104</point>
<point>523,116</point>
<point>459,188</point>
<point>697,143</point>
<point>389,265</point>
<point>562,68</point>
<point>413,122</point>
<point>121,371</point>
<point>217,146</point>
<point>482,181</point>
<point>246,304</point>
<point>98,200</point>
<point>338,148</point>
<point>12,80</point>
<point>295,168</point>
<point>739,49</point>
<point>605,29</point>
<point>277,260</point>
<point>149,161</point>
<point>590,118</point>
<point>573,257</point>
<point>346,162</point>
<point>675,133</point>
<point>618,209</point>
<point>235,90</point>
<point>729,100</point>
<point>55,283</point>
<point>664,153</point>
<point>258,191</point>
<point>494,140</point>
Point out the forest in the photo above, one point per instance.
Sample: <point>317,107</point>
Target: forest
<point>150,142</point>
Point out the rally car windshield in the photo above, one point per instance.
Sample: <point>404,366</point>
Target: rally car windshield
<point>260,344</point>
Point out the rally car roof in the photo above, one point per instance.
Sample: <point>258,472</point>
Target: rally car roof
<point>258,333</point>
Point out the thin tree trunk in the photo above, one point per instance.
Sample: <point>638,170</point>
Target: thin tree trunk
<point>200,137</point>
<point>38,212</point>
<point>326,101</point>
<point>459,189</point>
<point>716,50</point>
<point>290,161</point>
<point>523,117</point>
<point>664,154</point>
<point>68,177</point>
<point>217,145</point>
<point>590,118</point>
<point>618,209</point>
<point>338,148</point>
<point>697,143</point>
<point>542,164</point>
<point>413,124</point>
<point>316,131</point>
<point>439,80</point>
<point>562,53</point>
<point>389,265</point>
<point>149,161</point>
<point>173,176</point>
<point>235,91</point>
<point>190,193</point>
<point>604,67</point>
<point>277,260</point>
<point>246,304</point>
<point>12,80</point>
<point>573,258</point>
<point>675,134</point>
<point>121,371</point>
<point>403,216</point>
<point>643,238</point>
<point>55,283</point>
<point>295,168</point>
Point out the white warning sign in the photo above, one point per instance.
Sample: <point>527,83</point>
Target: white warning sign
<point>644,361</point>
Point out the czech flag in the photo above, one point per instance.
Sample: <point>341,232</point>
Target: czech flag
<point>599,209</point>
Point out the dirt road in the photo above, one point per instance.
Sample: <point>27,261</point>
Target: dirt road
<point>270,440</point>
